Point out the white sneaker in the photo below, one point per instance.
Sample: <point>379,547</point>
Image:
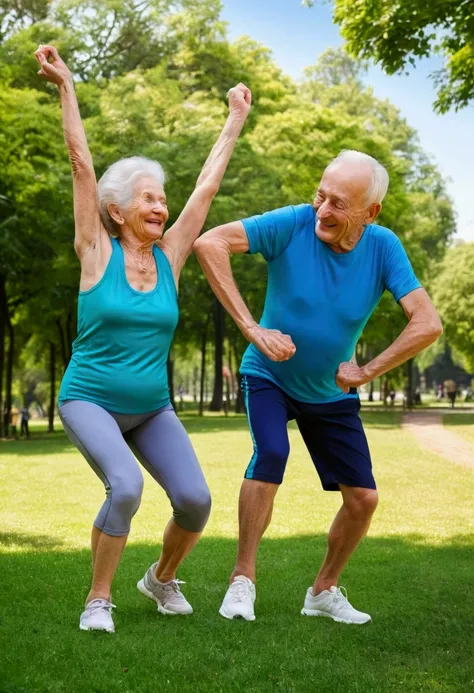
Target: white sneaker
<point>239,599</point>
<point>167,595</point>
<point>333,603</point>
<point>97,616</point>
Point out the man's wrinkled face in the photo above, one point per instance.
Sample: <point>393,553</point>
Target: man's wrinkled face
<point>341,204</point>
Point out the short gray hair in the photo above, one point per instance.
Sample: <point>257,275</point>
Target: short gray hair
<point>380,179</point>
<point>117,183</point>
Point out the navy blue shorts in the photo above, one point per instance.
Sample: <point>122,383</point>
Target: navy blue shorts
<point>332,432</point>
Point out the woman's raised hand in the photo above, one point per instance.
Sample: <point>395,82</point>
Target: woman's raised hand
<point>53,69</point>
<point>240,98</point>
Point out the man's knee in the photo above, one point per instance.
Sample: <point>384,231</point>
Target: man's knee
<point>271,462</point>
<point>361,503</point>
<point>191,509</point>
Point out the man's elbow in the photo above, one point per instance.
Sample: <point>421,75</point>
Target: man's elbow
<point>199,244</point>
<point>203,246</point>
<point>434,329</point>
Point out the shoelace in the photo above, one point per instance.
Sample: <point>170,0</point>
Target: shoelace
<point>173,587</point>
<point>239,591</point>
<point>97,604</point>
<point>339,595</point>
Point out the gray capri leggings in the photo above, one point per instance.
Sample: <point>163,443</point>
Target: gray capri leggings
<point>161,444</point>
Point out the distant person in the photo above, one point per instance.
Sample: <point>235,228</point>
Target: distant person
<point>14,416</point>
<point>115,395</point>
<point>392,395</point>
<point>25,417</point>
<point>451,391</point>
<point>417,396</point>
<point>440,392</point>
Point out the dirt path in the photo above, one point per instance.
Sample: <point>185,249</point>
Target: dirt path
<point>428,429</point>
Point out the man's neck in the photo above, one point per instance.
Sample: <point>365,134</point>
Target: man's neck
<point>349,242</point>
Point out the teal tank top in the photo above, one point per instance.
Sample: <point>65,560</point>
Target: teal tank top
<point>123,339</point>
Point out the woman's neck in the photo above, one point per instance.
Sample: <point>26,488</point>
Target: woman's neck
<point>137,245</point>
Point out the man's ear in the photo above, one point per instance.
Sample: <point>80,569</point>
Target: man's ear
<point>373,212</point>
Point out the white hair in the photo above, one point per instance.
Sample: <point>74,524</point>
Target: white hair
<point>379,184</point>
<point>117,183</point>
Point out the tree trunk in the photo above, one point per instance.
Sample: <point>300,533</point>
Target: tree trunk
<point>410,388</point>
<point>52,386</point>
<point>62,341</point>
<point>170,370</point>
<point>69,336</point>
<point>231,376</point>
<point>203,368</point>
<point>195,384</point>
<point>217,396</point>
<point>239,398</point>
<point>9,374</point>
<point>3,318</point>
<point>371,391</point>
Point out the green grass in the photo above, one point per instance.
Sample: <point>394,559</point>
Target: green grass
<point>412,573</point>
<point>462,424</point>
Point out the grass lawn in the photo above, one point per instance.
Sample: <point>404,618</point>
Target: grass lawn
<point>412,574</point>
<point>462,424</point>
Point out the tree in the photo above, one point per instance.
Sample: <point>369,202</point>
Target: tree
<point>395,34</point>
<point>453,294</point>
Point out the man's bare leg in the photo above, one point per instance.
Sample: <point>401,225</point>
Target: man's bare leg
<point>349,527</point>
<point>255,512</point>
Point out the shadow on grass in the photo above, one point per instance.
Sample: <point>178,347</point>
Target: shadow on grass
<point>420,638</point>
<point>459,420</point>
<point>29,541</point>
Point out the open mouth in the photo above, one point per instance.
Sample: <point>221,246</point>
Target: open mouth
<point>327,226</point>
<point>157,222</point>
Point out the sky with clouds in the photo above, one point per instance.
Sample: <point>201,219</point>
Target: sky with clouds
<point>297,35</point>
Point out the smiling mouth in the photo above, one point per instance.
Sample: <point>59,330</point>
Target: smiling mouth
<point>328,226</point>
<point>157,222</point>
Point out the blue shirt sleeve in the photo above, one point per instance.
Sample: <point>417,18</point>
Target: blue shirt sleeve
<point>399,277</point>
<point>271,233</point>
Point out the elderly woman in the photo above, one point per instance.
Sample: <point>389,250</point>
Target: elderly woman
<point>114,395</point>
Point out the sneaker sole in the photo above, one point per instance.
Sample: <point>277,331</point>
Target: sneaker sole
<point>141,587</point>
<point>224,613</point>
<point>324,614</point>
<point>100,630</point>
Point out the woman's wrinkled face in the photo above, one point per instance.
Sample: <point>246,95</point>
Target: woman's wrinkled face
<point>147,214</point>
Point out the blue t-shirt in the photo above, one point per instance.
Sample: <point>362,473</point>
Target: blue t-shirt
<point>320,298</point>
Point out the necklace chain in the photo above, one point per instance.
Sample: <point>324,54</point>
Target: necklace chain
<point>142,266</point>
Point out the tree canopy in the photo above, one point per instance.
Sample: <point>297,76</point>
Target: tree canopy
<point>396,34</point>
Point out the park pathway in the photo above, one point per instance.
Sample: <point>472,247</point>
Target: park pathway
<point>428,429</point>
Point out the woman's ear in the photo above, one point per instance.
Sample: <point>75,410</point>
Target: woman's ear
<point>115,213</point>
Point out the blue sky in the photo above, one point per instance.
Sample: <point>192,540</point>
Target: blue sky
<point>297,35</point>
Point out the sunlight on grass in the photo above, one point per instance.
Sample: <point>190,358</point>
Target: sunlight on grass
<point>49,490</point>
<point>461,424</point>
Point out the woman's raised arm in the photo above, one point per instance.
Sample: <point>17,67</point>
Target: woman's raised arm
<point>178,241</point>
<point>86,207</point>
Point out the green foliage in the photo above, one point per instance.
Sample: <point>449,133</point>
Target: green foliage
<point>166,99</point>
<point>453,292</point>
<point>395,34</point>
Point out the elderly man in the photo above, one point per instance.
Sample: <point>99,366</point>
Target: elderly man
<point>328,266</point>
